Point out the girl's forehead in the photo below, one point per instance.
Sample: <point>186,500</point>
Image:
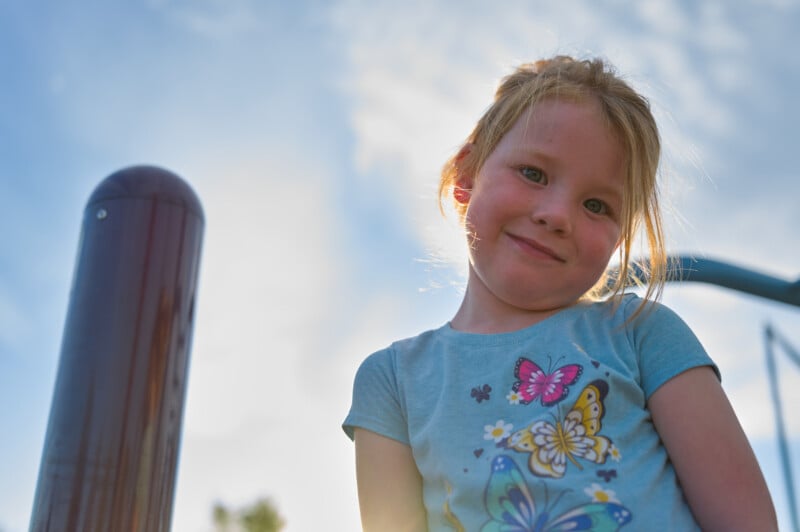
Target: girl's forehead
<point>551,117</point>
<point>555,105</point>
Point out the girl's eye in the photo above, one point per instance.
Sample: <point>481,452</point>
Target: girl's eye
<point>595,206</point>
<point>533,175</point>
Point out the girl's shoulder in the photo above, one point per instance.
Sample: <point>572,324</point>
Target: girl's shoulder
<point>635,312</point>
<point>387,356</point>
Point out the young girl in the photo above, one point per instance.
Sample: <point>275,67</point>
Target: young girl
<point>541,406</point>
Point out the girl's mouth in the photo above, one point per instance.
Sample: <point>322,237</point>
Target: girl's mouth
<point>534,248</point>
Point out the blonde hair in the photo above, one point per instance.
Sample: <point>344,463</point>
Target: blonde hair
<point>628,114</point>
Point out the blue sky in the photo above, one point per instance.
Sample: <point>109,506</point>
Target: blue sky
<point>313,133</point>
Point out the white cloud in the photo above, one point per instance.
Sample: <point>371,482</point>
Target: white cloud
<point>756,236</point>
<point>271,276</point>
<point>664,17</point>
<point>288,442</point>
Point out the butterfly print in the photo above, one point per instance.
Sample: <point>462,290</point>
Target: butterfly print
<point>552,446</point>
<point>534,383</point>
<point>511,507</point>
<point>481,393</point>
<point>607,474</point>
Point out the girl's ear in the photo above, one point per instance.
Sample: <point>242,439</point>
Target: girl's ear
<point>462,191</point>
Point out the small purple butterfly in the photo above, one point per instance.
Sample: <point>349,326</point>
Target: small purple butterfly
<point>607,474</point>
<point>477,453</point>
<point>481,393</point>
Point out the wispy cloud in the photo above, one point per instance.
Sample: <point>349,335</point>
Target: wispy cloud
<point>210,18</point>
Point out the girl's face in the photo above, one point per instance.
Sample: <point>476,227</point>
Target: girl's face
<point>543,217</point>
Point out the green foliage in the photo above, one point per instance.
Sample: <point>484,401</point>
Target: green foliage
<point>222,518</point>
<point>261,516</point>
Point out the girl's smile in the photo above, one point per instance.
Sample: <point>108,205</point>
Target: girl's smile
<point>534,248</point>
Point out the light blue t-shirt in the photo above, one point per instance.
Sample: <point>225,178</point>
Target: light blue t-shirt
<point>543,427</point>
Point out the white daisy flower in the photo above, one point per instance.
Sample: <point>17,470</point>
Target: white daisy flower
<point>498,431</point>
<point>600,494</point>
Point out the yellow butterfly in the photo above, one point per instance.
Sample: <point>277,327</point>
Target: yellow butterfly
<point>551,446</point>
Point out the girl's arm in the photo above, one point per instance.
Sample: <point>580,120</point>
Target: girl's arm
<point>713,460</point>
<point>389,485</point>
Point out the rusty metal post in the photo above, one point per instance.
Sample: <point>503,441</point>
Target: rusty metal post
<point>111,449</point>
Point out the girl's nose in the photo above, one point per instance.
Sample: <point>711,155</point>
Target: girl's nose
<point>554,214</point>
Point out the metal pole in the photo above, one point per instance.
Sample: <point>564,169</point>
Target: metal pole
<point>730,276</point>
<point>783,442</point>
<point>111,449</point>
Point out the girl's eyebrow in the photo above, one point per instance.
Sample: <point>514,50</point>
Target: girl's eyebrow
<point>528,150</point>
<point>614,193</point>
<point>609,190</point>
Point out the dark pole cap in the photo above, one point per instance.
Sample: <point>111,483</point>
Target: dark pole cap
<point>147,182</point>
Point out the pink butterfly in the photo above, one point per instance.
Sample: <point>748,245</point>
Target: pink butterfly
<point>534,382</point>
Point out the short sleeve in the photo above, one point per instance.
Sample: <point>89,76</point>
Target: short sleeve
<point>377,405</point>
<point>666,347</point>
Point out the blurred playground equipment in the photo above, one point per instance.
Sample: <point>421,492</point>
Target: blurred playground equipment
<point>113,435</point>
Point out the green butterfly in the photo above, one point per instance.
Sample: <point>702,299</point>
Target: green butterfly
<point>512,509</point>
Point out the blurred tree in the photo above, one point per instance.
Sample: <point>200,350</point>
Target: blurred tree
<point>222,518</point>
<point>261,516</point>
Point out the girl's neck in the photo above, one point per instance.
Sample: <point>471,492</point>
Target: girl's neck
<point>476,316</point>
